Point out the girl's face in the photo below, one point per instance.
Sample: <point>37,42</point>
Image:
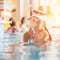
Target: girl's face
<point>35,22</point>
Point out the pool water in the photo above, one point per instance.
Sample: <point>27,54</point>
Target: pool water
<point>28,52</point>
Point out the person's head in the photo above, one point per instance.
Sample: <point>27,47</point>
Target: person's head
<point>34,22</point>
<point>13,24</point>
<point>23,20</point>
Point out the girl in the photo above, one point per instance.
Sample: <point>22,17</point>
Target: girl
<point>40,33</point>
<point>12,28</point>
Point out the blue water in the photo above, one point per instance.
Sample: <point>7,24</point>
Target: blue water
<point>28,52</point>
<point>34,52</point>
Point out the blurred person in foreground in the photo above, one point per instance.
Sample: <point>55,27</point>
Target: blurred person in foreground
<point>40,33</point>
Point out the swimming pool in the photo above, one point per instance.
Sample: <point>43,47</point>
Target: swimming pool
<point>28,52</point>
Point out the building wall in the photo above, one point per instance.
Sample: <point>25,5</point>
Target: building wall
<point>27,8</point>
<point>22,9</point>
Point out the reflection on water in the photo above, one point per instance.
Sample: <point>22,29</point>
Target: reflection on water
<point>28,52</point>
